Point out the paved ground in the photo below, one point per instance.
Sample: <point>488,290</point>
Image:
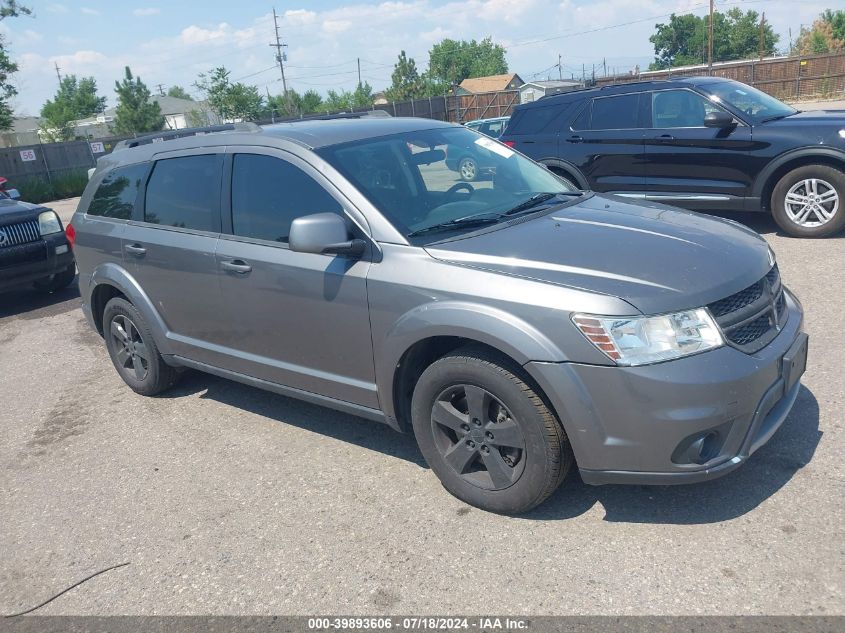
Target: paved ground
<point>226,499</point>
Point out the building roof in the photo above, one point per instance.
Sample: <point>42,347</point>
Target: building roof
<point>553,83</point>
<point>493,83</point>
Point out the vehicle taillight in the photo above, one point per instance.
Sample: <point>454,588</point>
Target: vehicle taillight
<point>70,234</point>
<point>509,143</point>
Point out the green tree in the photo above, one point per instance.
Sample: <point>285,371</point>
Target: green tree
<point>452,61</point>
<point>231,101</point>
<point>135,113</point>
<point>75,99</point>
<point>311,102</point>
<point>826,35</point>
<point>345,100</point>
<point>179,92</point>
<point>8,9</point>
<point>406,81</point>
<point>683,40</point>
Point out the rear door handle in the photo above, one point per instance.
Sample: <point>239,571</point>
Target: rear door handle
<point>136,249</point>
<point>236,266</point>
<point>575,139</point>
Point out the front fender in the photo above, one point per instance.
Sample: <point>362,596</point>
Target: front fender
<point>801,153</point>
<point>484,324</point>
<point>115,275</point>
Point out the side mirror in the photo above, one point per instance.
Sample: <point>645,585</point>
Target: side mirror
<point>719,120</point>
<point>323,233</point>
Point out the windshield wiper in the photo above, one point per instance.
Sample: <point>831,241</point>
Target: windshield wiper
<point>536,200</point>
<point>456,223</point>
<point>777,117</point>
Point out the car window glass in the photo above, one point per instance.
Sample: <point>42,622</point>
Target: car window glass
<point>615,113</point>
<point>185,192</point>
<point>536,120</point>
<point>582,121</point>
<point>269,193</point>
<point>679,108</point>
<point>115,197</point>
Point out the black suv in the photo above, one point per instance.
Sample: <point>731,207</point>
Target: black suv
<point>703,143</point>
<point>33,248</point>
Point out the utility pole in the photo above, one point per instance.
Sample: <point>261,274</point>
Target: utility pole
<point>762,34</point>
<point>160,89</point>
<point>280,54</point>
<point>359,70</point>
<point>604,66</point>
<point>559,67</point>
<point>710,41</point>
<point>58,73</point>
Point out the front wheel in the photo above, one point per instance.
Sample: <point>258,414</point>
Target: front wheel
<point>807,202</point>
<point>486,434</point>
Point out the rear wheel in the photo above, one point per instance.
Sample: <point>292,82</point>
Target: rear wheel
<point>566,178</point>
<point>808,201</point>
<point>133,350</point>
<point>61,279</point>
<point>468,169</point>
<point>486,434</point>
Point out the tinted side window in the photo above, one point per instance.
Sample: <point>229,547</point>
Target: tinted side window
<point>615,113</point>
<point>679,108</point>
<point>582,121</point>
<point>115,197</point>
<point>269,193</point>
<point>185,192</point>
<point>534,120</point>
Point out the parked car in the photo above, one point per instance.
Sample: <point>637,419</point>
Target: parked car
<point>33,248</point>
<point>7,191</point>
<point>701,143</point>
<point>493,128</point>
<point>517,329</point>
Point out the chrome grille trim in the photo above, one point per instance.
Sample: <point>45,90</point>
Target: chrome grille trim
<point>19,233</point>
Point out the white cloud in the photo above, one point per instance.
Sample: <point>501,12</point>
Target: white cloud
<point>89,11</point>
<point>57,8</point>
<point>146,11</point>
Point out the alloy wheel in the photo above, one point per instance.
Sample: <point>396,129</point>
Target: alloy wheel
<point>130,349</point>
<point>811,202</point>
<point>478,437</point>
<point>468,169</point>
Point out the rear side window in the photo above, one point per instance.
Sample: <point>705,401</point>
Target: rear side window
<point>535,120</point>
<point>615,113</point>
<point>115,197</point>
<point>269,193</point>
<point>185,192</point>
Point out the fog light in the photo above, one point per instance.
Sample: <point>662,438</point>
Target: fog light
<point>703,446</point>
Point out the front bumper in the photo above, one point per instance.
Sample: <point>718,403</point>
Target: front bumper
<point>35,261</point>
<point>646,425</point>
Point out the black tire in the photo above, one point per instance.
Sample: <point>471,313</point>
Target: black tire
<point>58,281</point>
<point>468,169</point>
<point>787,213</point>
<point>147,376</point>
<point>510,408</point>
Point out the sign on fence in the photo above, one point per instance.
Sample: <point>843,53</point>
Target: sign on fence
<point>97,148</point>
<point>28,155</point>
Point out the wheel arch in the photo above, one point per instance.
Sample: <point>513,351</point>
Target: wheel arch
<point>778,168</point>
<point>432,331</point>
<point>110,280</point>
<point>566,169</point>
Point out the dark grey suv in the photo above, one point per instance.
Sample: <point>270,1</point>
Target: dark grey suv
<point>516,325</point>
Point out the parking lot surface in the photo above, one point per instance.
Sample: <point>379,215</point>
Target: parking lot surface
<point>228,500</point>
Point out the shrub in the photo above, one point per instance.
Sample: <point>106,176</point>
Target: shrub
<point>35,190</point>
<point>39,189</point>
<point>70,185</point>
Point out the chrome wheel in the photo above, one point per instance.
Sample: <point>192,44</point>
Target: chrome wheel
<point>130,350</point>
<point>468,169</point>
<point>478,437</point>
<point>811,202</point>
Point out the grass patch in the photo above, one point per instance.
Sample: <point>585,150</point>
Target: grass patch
<point>67,185</point>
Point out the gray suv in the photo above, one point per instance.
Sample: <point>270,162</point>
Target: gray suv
<point>516,325</point>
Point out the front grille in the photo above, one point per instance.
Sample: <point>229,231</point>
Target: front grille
<point>752,317</point>
<point>20,233</point>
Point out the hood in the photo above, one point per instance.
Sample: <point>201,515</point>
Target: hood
<point>655,257</point>
<point>811,117</point>
<point>15,210</point>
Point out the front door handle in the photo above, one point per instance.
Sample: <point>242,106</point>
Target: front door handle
<point>575,139</point>
<point>665,137</point>
<point>236,266</point>
<point>136,249</point>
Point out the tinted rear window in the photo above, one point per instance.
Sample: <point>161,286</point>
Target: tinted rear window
<point>115,197</point>
<point>615,113</point>
<point>534,120</point>
<point>185,192</point>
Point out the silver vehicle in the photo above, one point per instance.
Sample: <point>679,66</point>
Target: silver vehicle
<point>516,325</point>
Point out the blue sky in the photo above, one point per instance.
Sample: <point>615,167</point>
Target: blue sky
<point>170,43</point>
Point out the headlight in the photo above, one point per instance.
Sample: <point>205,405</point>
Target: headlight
<point>48,222</point>
<point>651,339</point>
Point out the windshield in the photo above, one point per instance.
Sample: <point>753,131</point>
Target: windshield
<point>434,183</point>
<point>758,106</point>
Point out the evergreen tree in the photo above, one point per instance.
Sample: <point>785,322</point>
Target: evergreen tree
<point>135,113</point>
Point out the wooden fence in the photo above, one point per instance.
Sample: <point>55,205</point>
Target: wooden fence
<point>788,78</point>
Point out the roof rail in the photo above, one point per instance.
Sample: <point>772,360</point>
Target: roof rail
<point>365,114</point>
<point>169,135</point>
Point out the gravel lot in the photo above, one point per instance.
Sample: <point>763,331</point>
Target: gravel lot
<point>230,500</point>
